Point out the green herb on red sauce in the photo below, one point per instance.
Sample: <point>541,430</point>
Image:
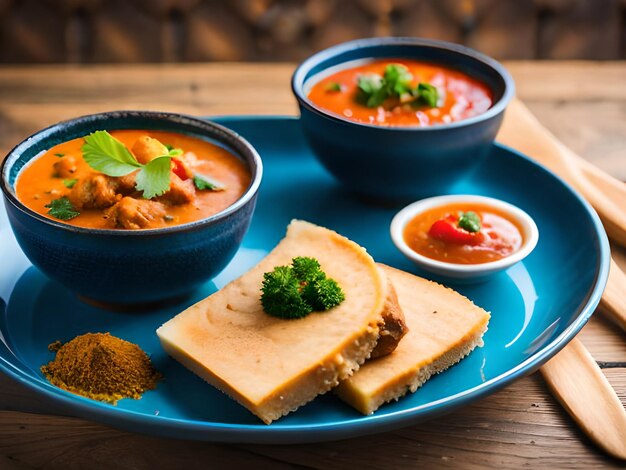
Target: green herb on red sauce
<point>396,83</point>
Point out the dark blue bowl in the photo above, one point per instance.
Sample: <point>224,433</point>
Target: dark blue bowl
<point>401,163</point>
<point>122,267</point>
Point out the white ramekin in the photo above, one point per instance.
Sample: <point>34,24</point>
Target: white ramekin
<point>464,272</point>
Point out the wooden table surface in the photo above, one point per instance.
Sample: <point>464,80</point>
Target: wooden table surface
<point>583,103</point>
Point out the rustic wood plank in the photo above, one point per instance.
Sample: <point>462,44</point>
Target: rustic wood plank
<point>605,341</point>
<point>40,441</point>
<point>569,81</point>
<point>529,428</point>
<point>595,131</point>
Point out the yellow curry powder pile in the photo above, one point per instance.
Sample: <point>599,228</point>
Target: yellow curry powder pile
<point>101,367</point>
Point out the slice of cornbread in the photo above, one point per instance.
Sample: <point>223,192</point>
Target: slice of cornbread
<point>270,365</point>
<point>444,327</point>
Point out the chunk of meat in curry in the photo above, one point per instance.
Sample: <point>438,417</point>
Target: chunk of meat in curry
<point>147,148</point>
<point>95,191</point>
<point>180,192</point>
<point>134,213</point>
<point>65,167</point>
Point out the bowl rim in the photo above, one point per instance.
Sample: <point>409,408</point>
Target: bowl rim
<point>220,134</point>
<point>403,216</point>
<point>298,80</point>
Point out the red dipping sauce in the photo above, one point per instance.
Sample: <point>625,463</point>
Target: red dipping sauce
<point>460,96</point>
<point>435,234</point>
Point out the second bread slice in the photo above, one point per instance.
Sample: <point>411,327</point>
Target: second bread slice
<point>444,327</point>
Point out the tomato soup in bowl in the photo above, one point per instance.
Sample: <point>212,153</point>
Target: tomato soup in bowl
<point>464,237</point>
<point>131,207</point>
<point>395,119</point>
<point>418,93</point>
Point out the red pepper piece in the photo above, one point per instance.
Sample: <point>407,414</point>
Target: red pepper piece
<point>447,231</point>
<point>179,169</point>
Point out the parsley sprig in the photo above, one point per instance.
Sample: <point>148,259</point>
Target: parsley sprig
<point>62,209</point>
<point>396,82</point>
<point>297,290</point>
<point>202,182</point>
<point>106,154</point>
<point>469,221</point>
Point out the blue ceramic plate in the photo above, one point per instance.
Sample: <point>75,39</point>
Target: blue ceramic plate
<point>537,306</point>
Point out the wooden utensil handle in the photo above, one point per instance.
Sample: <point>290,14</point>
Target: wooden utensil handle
<point>613,302</point>
<point>611,187</point>
<point>520,123</point>
<point>579,385</point>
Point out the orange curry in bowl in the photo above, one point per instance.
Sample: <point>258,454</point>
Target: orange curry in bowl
<point>132,179</point>
<point>464,233</point>
<point>401,92</point>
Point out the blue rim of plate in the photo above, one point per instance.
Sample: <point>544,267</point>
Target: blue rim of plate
<point>363,425</point>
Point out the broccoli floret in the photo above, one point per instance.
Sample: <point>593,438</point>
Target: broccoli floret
<point>297,290</point>
<point>281,294</point>
<point>307,269</point>
<point>323,294</point>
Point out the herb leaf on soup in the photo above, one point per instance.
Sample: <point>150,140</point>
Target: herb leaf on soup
<point>427,94</point>
<point>202,182</point>
<point>106,154</point>
<point>396,83</point>
<point>469,221</point>
<point>371,90</point>
<point>69,183</point>
<point>397,79</point>
<point>154,177</point>
<point>62,209</point>
<point>334,87</point>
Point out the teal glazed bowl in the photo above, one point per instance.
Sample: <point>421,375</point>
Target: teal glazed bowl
<point>129,267</point>
<point>400,163</point>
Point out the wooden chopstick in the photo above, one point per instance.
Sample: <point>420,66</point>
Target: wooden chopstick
<point>577,382</point>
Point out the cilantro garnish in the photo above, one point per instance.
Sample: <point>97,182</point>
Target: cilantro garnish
<point>203,182</point>
<point>396,82</point>
<point>154,177</point>
<point>59,155</point>
<point>69,183</point>
<point>106,154</point>
<point>469,221</point>
<point>62,209</point>
<point>372,91</point>
<point>297,290</point>
<point>334,87</point>
<point>427,95</point>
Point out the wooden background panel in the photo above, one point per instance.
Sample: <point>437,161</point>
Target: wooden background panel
<point>88,31</point>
